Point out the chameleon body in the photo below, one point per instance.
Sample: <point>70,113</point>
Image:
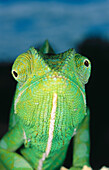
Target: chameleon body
<point>48,108</point>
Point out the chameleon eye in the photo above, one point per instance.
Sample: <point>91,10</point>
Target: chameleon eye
<point>15,74</point>
<point>86,63</point>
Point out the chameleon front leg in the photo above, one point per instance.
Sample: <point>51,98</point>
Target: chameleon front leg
<point>13,139</point>
<point>12,160</point>
<point>10,142</point>
<point>30,154</point>
<point>81,149</point>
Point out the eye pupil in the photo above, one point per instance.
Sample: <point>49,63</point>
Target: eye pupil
<point>86,63</point>
<point>15,74</point>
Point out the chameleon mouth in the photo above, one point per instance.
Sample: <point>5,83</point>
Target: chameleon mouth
<point>57,76</point>
<point>54,77</point>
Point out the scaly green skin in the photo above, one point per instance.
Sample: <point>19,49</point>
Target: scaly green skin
<point>49,106</point>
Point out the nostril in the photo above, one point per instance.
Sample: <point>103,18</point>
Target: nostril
<point>15,73</point>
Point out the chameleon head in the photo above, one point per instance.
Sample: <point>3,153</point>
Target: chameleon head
<point>40,76</point>
<point>68,62</point>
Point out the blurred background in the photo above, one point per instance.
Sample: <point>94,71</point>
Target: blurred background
<point>81,24</point>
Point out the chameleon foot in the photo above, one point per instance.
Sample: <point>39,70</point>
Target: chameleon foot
<point>104,168</point>
<point>63,168</point>
<point>85,167</point>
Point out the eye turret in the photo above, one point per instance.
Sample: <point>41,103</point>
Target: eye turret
<point>21,68</point>
<point>83,68</point>
<point>29,63</point>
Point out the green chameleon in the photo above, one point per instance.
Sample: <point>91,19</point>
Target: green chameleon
<point>49,107</point>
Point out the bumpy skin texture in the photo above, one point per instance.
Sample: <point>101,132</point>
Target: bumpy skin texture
<point>48,108</point>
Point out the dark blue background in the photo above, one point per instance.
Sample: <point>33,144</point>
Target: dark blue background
<point>24,23</point>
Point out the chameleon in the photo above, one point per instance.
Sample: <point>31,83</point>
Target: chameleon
<point>48,109</point>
